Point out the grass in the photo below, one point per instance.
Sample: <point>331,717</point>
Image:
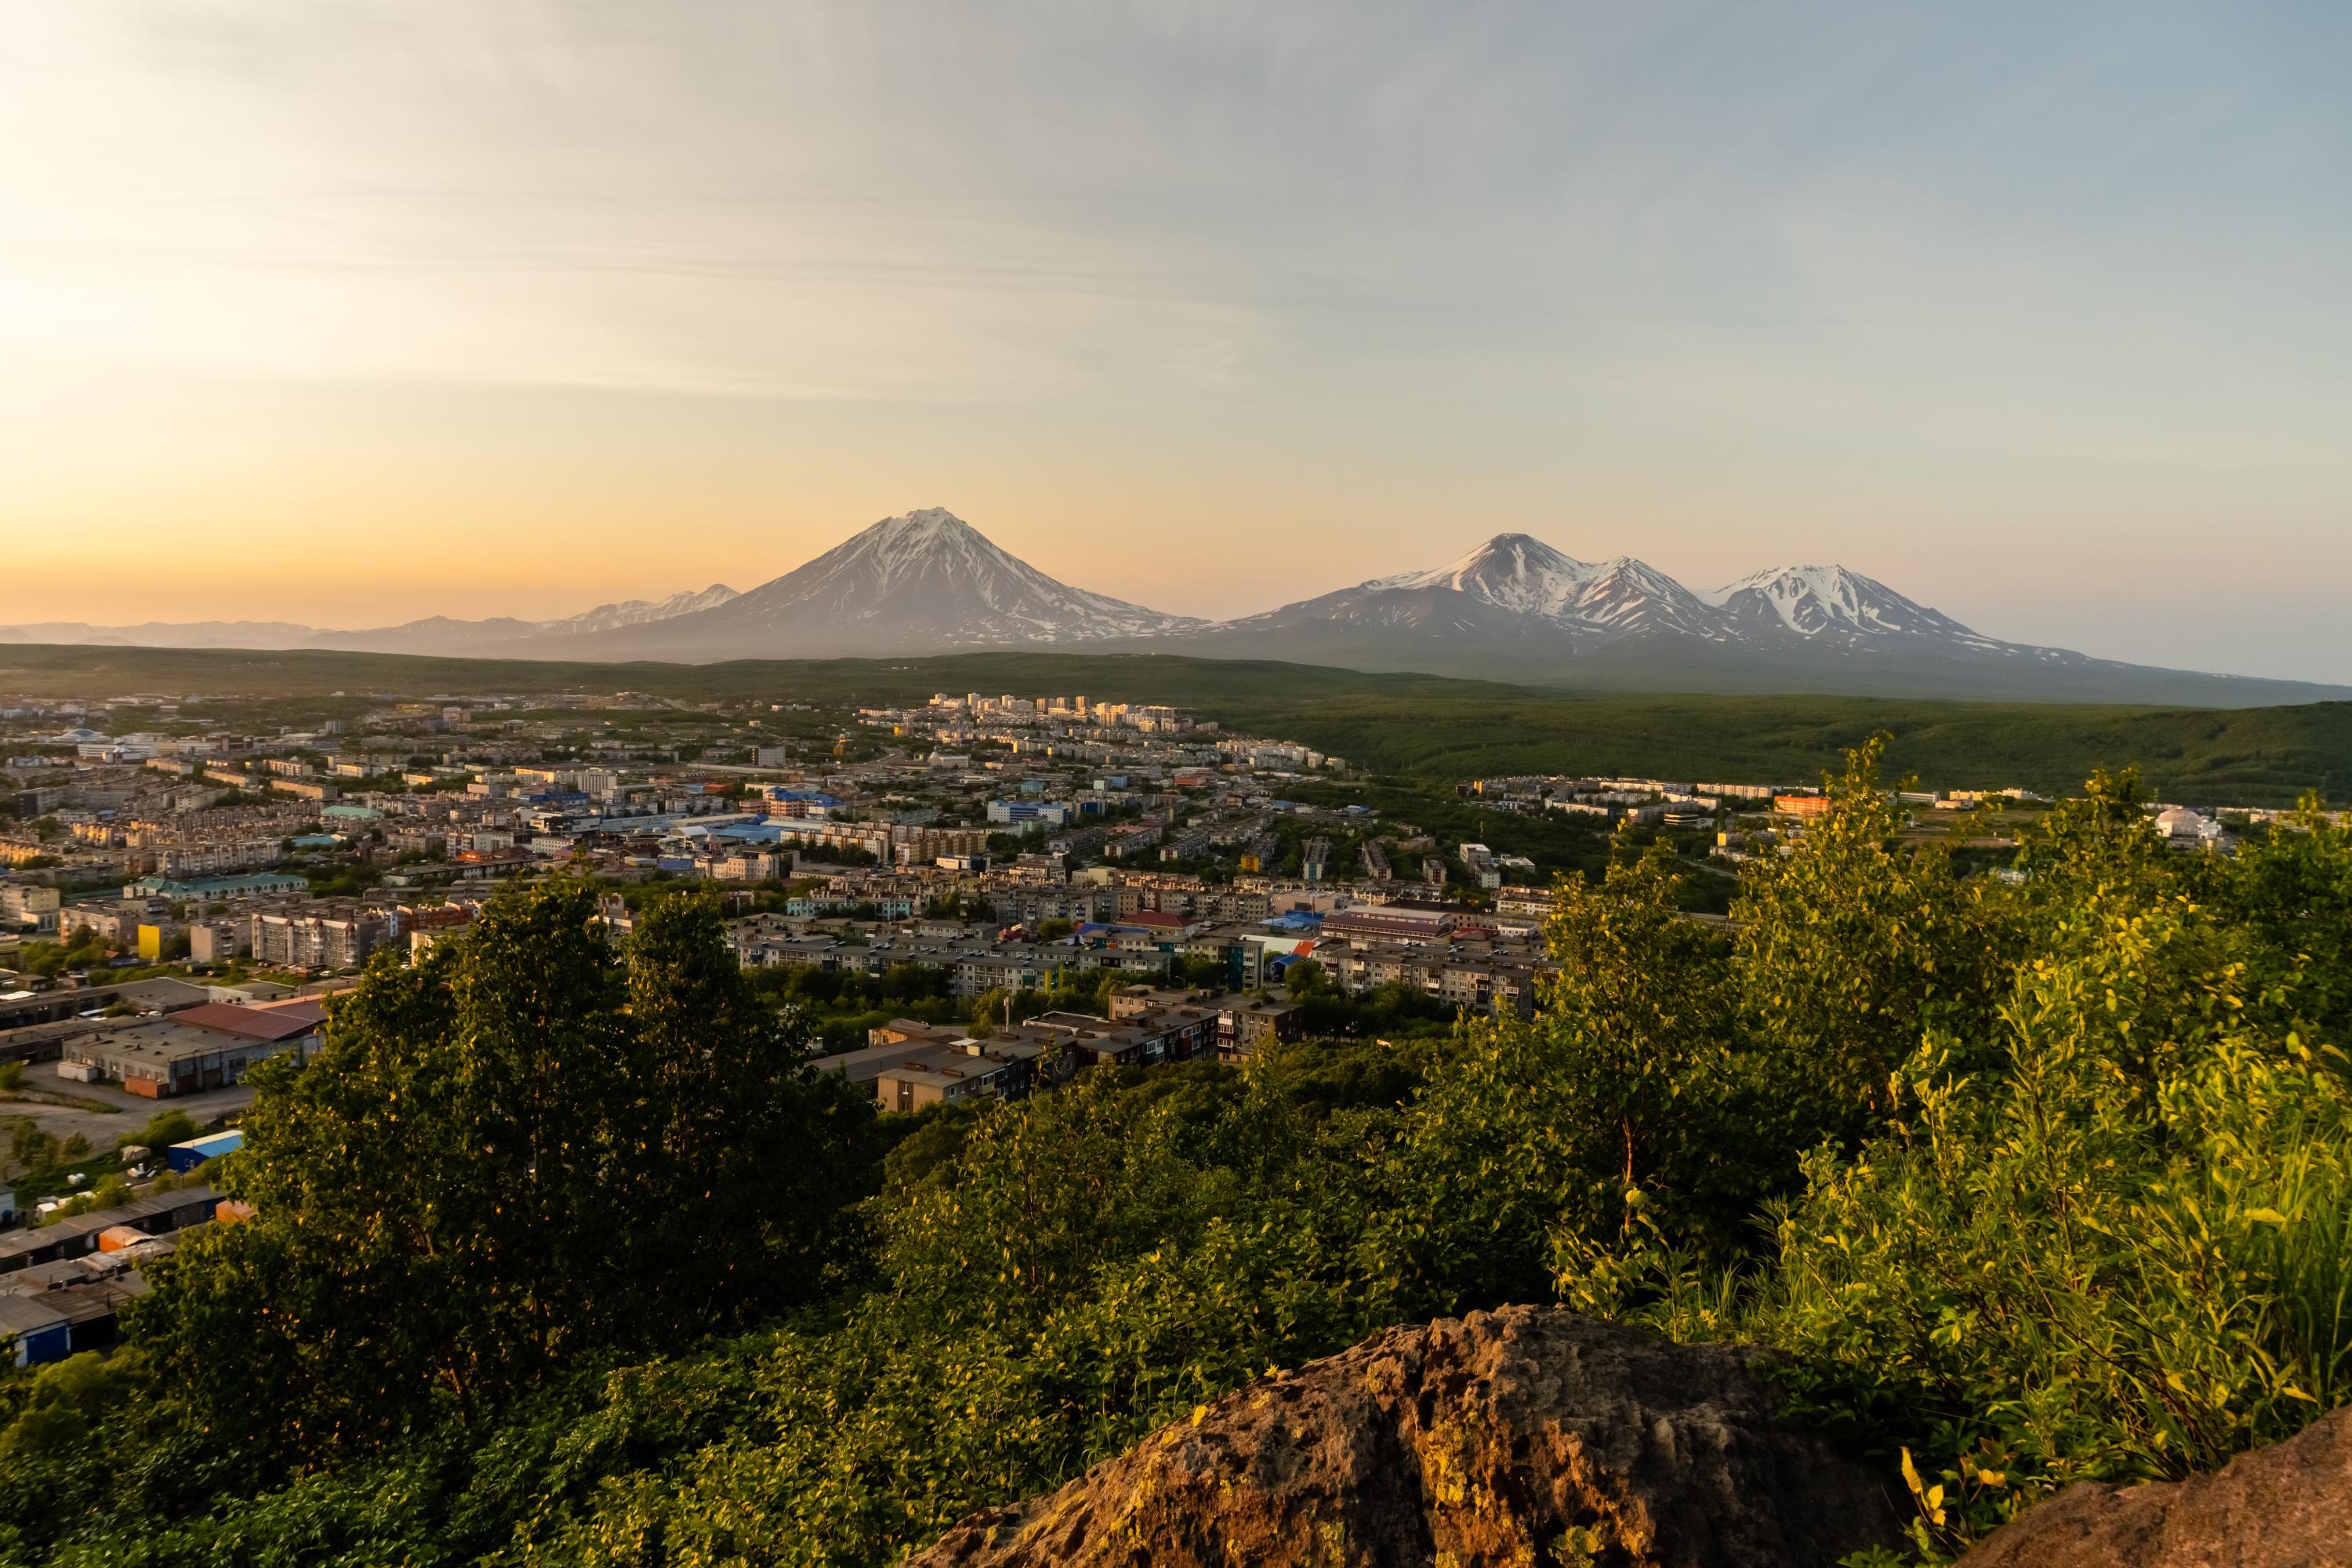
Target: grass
<point>1422,726</point>
<point>56,1182</point>
<point>53,1097</point>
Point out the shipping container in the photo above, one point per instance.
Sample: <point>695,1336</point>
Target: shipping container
<point>185,1157</point>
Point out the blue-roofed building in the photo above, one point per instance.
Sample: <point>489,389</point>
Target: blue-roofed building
<point>784,801</point>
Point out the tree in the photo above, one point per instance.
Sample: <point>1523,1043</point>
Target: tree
<point>1203,972</point>
<point>528,1146</point>
<point>30,1149</point>
<point>1543,1140</point>
<point>2293,888</point>
<point>163,1128</point>
<point>1851,945</point>
<point>728,1128</point>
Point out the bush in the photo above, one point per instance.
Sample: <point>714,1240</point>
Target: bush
<point>163,1128</point>
<point>2122,1255</point>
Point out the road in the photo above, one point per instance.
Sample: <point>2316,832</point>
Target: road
<point>131,1112</point>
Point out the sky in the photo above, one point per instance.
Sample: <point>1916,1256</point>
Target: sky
<point>348,312</point>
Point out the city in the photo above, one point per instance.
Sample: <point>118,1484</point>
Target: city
<point>1001,845</point>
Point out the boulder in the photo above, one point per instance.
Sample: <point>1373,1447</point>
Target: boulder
<point>2286,1505</point>
<point>1526,1436</point>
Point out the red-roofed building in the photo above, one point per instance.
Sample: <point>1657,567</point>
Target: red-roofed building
<point>196,1048</point>
<point>286,1022</point>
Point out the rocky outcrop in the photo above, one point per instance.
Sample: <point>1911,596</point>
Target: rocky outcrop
<point>1527,1436</point>
<point>2287,1506</point>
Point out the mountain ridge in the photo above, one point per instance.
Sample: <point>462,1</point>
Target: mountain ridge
<point>926,579</point>
<point>1512,608</point>
<point>430,634</point>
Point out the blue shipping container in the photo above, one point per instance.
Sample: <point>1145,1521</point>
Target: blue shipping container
<point>185,1157</point>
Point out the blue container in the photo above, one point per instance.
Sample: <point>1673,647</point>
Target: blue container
<point>185,1157</point>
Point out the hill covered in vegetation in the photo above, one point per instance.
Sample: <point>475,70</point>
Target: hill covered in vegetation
<point>1424,726</point>
<point>558,1257</point>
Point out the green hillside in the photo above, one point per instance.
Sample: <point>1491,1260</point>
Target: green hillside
<point>1428,726</point>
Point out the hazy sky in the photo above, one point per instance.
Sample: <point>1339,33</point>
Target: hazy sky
<point>350,312</point>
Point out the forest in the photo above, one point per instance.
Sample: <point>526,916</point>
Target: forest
<point>558,1257</point>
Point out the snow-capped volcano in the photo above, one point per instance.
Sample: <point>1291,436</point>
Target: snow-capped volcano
<point>926,580</point>
<point>1521,575</point>
<point>1813,600</point>
<point>1513,571</point>
<point>1517,608</point>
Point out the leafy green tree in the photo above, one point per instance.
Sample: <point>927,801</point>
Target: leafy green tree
<point>163,1128</point>
<point>2101,839</point>
<point>1542,1138</point>
<point>30,1148</point>
<point>1850,946</point>
<point>1306,978</point>
<point>741,1165</point>
<point>525,1148</point>
<point>1000,1007</point>
<point>1201,973</point>
<point>2293,889</point>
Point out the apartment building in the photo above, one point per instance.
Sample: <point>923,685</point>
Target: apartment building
<point>212,857</point>
<point>317,937</point>
<point>33,910</point>
<point>218,941</point>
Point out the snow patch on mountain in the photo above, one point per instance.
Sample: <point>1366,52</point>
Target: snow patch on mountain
<point>1811,601</point>
<point>929,578</point>
<point>1514,571</point>
<point>637,611</point>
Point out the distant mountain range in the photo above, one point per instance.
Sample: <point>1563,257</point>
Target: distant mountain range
<point>433,635</point>
<point>1512,609</point>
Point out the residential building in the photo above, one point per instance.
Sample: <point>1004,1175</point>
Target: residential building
<point>317,937</point>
